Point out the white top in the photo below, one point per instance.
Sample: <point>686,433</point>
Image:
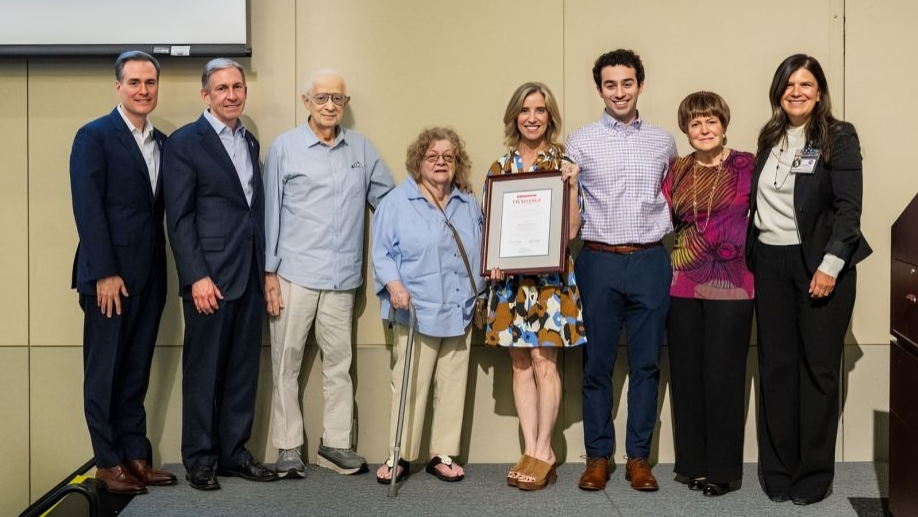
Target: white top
<point>775,216</point>
<point>147,145</point>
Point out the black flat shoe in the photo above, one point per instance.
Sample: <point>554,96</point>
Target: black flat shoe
<point>202,478</point>
<point>715,489</point>
<point>251,470</point>
<point>406,471</point>
<point>779,497</point>
<point>803,501</point>
<point>696,485</point>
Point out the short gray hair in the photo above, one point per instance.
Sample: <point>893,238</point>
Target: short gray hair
<point>219,63</point>
<point>311,81</point>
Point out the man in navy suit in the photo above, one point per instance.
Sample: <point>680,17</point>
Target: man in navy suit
<point>120,272</point>
<point>215,215</point>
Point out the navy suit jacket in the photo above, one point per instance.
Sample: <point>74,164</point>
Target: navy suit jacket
<point>119,217</point>
<point>213,230</point>
<point>827,204</point>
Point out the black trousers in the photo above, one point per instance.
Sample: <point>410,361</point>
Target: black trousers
<point>220,363</point>
<point>708,342</point>
<point>801,341</point>
<point>117,354</point>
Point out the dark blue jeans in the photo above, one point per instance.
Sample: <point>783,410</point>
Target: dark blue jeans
<point>630,290</point>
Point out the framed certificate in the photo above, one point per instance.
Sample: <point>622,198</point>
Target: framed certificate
<point>526,223</point>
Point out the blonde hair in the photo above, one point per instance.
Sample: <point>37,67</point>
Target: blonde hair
<point>512,134</point>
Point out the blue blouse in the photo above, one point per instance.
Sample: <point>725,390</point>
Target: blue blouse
<point>412,243</point>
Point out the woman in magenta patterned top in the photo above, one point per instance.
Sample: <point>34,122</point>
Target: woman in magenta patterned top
<point>710,318</point>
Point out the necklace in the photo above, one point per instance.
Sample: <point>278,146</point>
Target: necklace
<point>717,174</point>
<point>778,166</point>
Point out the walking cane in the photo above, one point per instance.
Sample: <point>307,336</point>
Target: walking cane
<point>396,455</point>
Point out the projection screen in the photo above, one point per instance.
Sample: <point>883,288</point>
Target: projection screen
<point>108,27</point>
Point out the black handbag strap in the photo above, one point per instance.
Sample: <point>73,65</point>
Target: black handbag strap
<point>465,258</point>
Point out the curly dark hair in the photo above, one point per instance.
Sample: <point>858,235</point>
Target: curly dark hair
<point>624,57</point>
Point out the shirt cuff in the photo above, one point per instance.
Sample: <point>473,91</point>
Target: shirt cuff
<point>832,265</point>
<point>272,263</point>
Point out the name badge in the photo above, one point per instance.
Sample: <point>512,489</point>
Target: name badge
<point>805,161</point>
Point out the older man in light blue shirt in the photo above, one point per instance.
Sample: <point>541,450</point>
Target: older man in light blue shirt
<point>319,177</point>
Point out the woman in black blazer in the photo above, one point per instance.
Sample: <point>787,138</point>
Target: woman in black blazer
<point>803,242</point>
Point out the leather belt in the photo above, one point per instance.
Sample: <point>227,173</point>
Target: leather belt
<point>622,249</point>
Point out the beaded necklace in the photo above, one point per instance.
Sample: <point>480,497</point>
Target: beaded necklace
<point>717,174</point>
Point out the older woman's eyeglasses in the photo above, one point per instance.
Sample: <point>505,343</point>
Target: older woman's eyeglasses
<point>434,158</point>
<point>338,98</point>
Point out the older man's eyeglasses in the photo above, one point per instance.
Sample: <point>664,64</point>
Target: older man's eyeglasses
<point>339,99</point>
<point>434,158</point>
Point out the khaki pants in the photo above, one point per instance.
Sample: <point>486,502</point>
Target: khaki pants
<point>332,312</point>
<point>445,362</point>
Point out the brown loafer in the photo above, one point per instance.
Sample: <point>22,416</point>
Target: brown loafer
<point>595,475</point>
<point>118,480</point>
<point>637,471</point>
<point>150,476</point>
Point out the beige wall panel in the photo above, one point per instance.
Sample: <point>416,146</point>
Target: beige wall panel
<point>14,427</point>
<point>372,383</point>
<point>882,44</point>
<point>164,405</point>
<point>491,433</point>
<point>685,48</point>
<point>865,421</point>
<point>14,264</point>
<point>57,427</point>
<point>750,444</point>
<point>52,233</point>
<point>415,63</point>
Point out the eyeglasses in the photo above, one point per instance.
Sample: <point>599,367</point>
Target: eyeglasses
<point>434,158</point>
<point>339,99</point>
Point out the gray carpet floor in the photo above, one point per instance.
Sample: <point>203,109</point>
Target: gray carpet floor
<point>859,491</point>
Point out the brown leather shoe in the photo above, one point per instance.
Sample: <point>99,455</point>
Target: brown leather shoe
<point>637,471</point>
<point>118,480</point>
<point>595,475</point>
<point>150,476</point>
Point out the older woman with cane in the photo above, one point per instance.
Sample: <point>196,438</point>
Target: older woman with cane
<point>426,248</point>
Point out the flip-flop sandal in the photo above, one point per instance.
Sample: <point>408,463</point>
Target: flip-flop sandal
<point>444,460</point>
<point>406,471</point>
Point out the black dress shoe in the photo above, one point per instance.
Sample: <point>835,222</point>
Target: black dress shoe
<point>715,489</point>
<point>251,470</point>
<point>803,501</point>
<point>696,484</point>
<point>778,497</point>
<point>202,478</point>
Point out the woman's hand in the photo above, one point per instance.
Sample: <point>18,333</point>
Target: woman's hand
<point>821,285</point>
<point>399,297</point>
<point>496,274</point>
<point>569,172</point>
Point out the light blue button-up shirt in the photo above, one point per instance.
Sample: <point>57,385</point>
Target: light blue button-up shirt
<point>315,206</point>
<point>237,147</point>
<point>412,243</point>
